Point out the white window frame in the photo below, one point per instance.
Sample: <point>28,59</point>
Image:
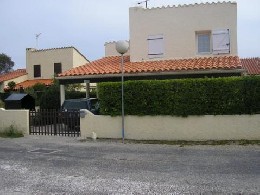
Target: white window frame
<point>155,46</point>
<point>199,33</point>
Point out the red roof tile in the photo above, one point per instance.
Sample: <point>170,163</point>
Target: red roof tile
<point>111,65</point>
<point>30,83</point>
<point>12,75</point>
<point>251,65</point>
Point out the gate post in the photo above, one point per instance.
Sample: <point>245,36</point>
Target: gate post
<point>62,94</point>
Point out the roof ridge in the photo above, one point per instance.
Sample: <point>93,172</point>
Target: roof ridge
<point>56,48</point>
<point>188,5</point>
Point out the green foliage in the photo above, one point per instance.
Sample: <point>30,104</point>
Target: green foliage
<point>183,97</point>
<point>11,132</point>
<point>79,94</point>
<point>74,87</point>
<point>50,99</point>
<point>11,85</point>
<point>2,104</point>
<point>36,91</point>
<point>6,64</point>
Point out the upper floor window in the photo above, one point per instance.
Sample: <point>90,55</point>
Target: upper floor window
<point>57,68</point>
<point>215,42</point>
<point>37,70</point>
<point>203,40</point>
<point>155,46</point>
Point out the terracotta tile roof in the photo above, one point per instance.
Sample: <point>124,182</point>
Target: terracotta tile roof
<point>30,83</point>
<point>12,75</point>
<point>251,65</point>
<point>111,65</point>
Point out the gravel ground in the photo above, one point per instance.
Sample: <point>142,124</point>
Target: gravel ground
<point>62,165</point>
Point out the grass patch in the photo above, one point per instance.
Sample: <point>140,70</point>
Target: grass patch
<point>11,132</point>
<point>182,143</point>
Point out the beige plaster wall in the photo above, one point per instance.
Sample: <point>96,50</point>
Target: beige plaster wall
<point>19,118</point>
<point>46,58</point>
<point>78,59</point>
<point>178,25</point>
<point>110,49</point>
<point>226,127</point>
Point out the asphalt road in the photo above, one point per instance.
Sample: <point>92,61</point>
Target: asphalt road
<point>60,165</point>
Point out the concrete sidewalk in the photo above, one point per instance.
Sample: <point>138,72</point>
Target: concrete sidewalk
<point>63,165</point>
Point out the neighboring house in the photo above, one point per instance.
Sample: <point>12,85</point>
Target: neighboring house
<point>171,42</point>
<point>17,76</point>
<point>42,65</point>
<point>251,65</point>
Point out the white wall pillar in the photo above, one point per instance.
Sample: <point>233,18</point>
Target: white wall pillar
<point>87,88</point>
<point>62,94</point>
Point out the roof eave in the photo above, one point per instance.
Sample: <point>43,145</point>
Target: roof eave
<point>190,72</point>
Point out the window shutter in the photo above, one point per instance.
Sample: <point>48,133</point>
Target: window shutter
<point>155,46</point>
<point>221,41</point>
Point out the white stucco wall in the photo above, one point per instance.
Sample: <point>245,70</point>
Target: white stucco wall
<point>226,127</point>
<point>110,49</point>
<point>18,118</point>
<point>179,25</point>
<point>68,57</point>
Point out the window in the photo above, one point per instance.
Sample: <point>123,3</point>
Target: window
<point>57,68</point>
<point>215,42</point>
<point>155,46</point>
<point>203,41</point>
<point>37,70</point>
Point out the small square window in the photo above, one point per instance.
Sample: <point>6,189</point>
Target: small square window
<point>203,42</point>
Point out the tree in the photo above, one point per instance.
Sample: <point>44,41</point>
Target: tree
<point>6,64</point>
<point>11,85</point>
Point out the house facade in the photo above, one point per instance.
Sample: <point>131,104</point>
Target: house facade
<point>46,63</point>
<point>184,31</point>
<point>170,42</point>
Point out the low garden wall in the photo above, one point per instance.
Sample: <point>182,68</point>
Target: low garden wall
<point>196,128</point>
<point>18,118</point>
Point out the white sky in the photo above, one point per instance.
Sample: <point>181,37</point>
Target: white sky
<point>88,24</point>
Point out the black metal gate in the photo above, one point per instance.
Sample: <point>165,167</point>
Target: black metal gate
<point>53,122</point>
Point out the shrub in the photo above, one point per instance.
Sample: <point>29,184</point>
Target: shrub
<point>2,104</point>
<point>11,132</point>
<point>183,97</point>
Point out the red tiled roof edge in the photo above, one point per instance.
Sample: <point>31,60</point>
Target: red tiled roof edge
<point>252,65</point>
<point>12,75</point>
<point>30,83</point>
<point>111,65</point>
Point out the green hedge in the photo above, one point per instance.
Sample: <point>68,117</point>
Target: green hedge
<point>182,97</point>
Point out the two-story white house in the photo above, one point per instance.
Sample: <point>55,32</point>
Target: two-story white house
<point>194,40</point>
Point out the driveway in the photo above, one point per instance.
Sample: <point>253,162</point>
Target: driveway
<point>62,165</point>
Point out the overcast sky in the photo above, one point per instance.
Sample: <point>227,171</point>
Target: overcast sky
<point>88,24</point>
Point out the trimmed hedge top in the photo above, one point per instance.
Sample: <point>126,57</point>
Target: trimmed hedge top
<point>182,97</point>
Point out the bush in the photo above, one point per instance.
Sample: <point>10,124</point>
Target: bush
<point>183,97</point>
<point>11,132</point>
<point>50,99</point>
<point>2,104</point>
